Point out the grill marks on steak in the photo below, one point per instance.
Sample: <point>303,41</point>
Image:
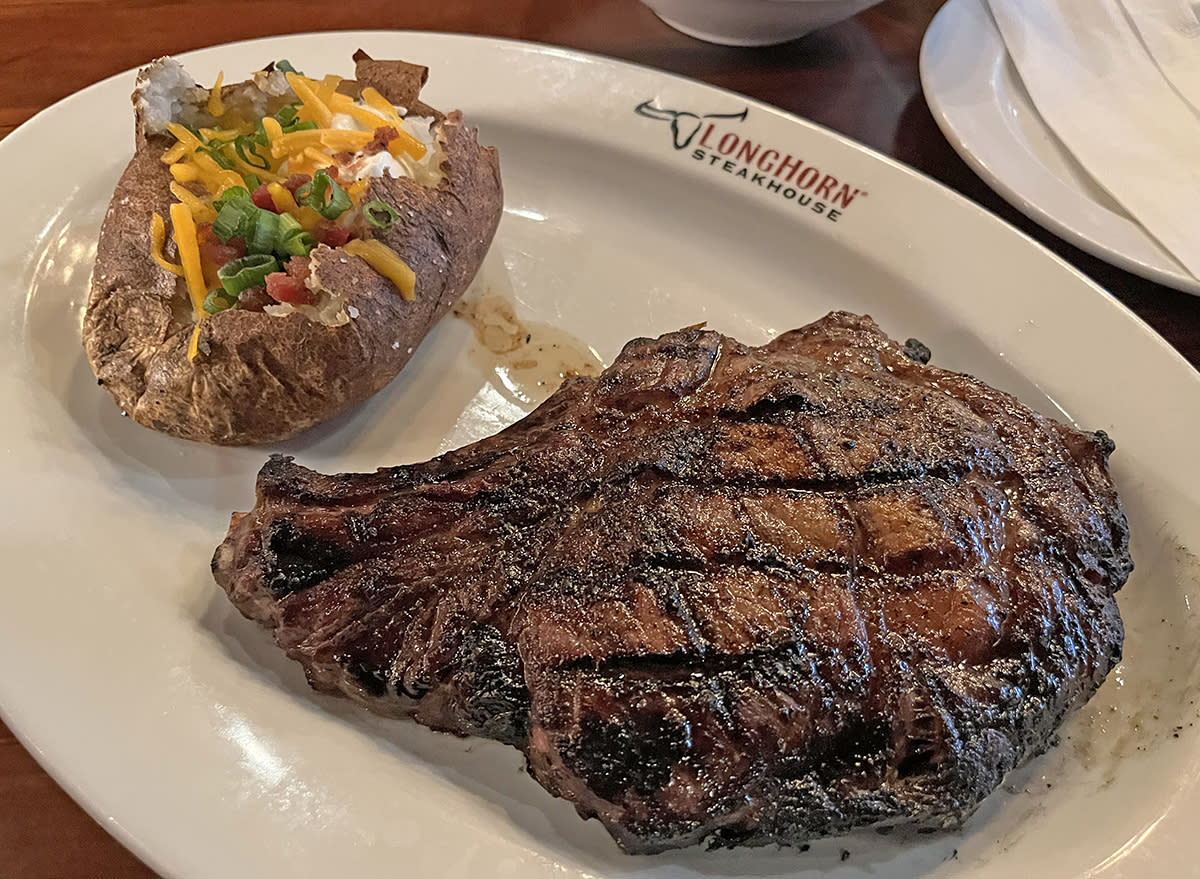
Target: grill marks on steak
<point>723,592</point>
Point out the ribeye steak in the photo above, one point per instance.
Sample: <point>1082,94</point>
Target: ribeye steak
<point>719,592</point>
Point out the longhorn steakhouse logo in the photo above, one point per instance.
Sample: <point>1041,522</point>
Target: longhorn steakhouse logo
<point>717,145</point>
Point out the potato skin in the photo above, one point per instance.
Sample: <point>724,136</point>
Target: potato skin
<point>262,379</point>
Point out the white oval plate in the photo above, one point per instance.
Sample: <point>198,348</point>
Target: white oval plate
<point>979,102</point>
<point>180,726</point>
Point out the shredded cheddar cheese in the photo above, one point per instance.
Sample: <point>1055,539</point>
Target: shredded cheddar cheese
<point>368,116</point>
<point>309,218</point>
<point>263,174</point>
<point>335,140</point>
<point>185,172</point>
<point>189,255</point>
<point>284,200</point>
<point>213,176</point>
<point>188,197</point>
<point>316,109</point>
<point>158,237</point>
<point>318,158</point>
<point>186,139</point>
<point>193,272</point>
<point>225,133</point>
<point>405,142</point>
<point>194,342</point>
<point>242,167</point>
<point>384,260</point>
<point>216,107</point>
<point>202,211</point>
<point>272,127</point>
<point>328,86</point>
<point>378,102</point>
<point>175,153</point>
<point>301,138</point>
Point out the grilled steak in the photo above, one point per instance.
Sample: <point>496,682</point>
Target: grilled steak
<point>722,593</point>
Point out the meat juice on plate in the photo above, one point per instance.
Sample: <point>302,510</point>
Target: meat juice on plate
<point>531,359</point>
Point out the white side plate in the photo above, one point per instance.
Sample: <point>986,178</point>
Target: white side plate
<point>982,107</point>
<point>180,726</point>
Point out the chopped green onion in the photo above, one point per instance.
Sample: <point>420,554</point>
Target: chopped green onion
<point>286,66</point>
<point>233,193</point>
<point>288,119</point>
<point>264,232</point>
<point>298,245</point>
<point>244,146</point>
<point>238,218</point>
<point>293,240</point>
<point>248,271</point>
<point>380,214</point>
<point>217,156</point>
<point>217,300</point>
<point>313,194</point>
<point>263,237</point>
<point>288,225</point>
<point>287,115</point>
<point>252,181</point>
<point>259,136</point>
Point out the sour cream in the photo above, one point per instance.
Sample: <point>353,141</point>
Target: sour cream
<point>361,166</point>
<point>379,165</point>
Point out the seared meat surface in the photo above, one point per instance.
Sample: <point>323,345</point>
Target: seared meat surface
<point>719,592</point>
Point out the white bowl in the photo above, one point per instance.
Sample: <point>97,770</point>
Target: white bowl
<point>753,22</point>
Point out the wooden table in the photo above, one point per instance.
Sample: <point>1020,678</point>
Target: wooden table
<point>859,78</point>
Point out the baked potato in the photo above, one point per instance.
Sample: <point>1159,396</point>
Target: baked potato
<point>277,249</point>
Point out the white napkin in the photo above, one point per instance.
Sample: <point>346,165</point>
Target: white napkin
<point>1171,31</point>
<point>1095,85</point>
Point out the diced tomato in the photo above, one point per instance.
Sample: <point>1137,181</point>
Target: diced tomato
<point>262,198</point>
<point>216,251</point>
<point>295,181</point>
<point>333,236</point>
<point>283,287</point>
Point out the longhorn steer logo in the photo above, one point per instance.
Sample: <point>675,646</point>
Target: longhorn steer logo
<point>711,141</point>
<point>684,125</point>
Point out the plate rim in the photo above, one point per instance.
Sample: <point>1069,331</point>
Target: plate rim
<point>949,118</point>
<point>124,834</point>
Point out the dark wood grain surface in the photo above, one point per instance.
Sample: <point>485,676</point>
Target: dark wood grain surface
<point>859,78</point>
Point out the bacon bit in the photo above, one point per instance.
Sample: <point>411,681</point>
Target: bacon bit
<point>343,158</point>
<point>262,198</point>
<point>284,288</point>
<point>295,181</point>
<point>332,171</point>
<point>216,251</point>
<point>254,299</point>
<point>299,268</point>
<point>384,135</point>
<point>333,236</point>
